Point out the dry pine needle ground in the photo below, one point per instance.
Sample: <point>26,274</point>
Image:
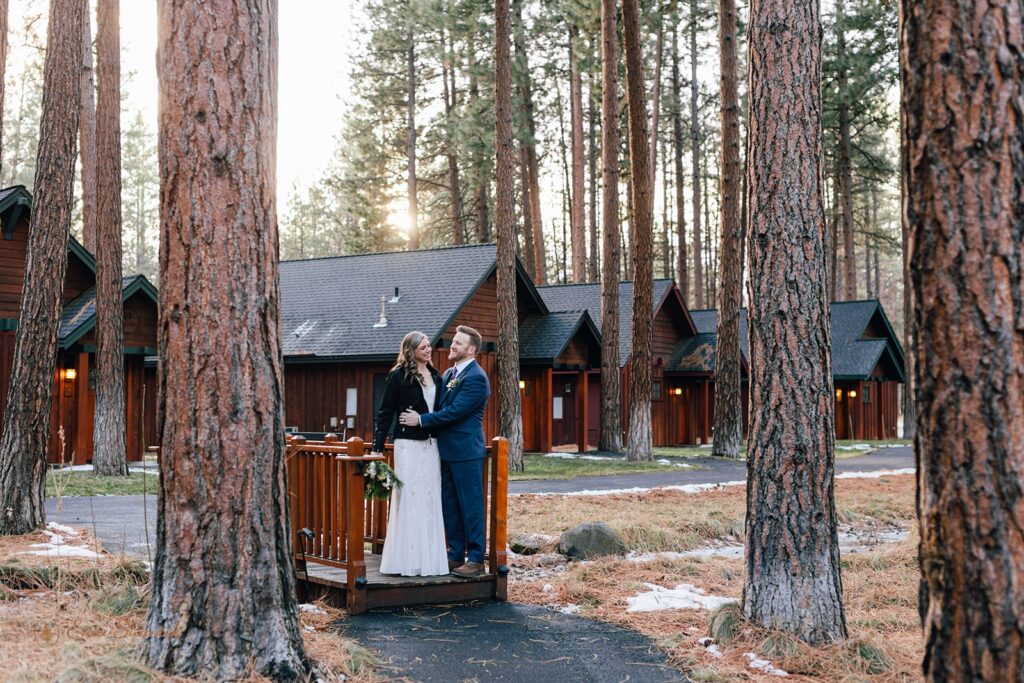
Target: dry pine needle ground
<point>880,587</point>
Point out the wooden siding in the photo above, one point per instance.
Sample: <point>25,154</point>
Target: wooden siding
<point>480,313</point>
<point>140,321</point>
<point>869,415</point>
<point>12,271</point>
<point>576,353</point>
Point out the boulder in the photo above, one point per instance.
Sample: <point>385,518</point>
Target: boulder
<point>530,544</point>
<point>592,539</point>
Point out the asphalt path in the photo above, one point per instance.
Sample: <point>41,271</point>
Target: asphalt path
<point>127,524</point>
<point>501,641</point>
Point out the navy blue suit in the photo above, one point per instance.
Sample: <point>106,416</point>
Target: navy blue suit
<point>459,425</point>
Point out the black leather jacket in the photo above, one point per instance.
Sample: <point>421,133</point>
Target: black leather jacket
<point>401,392</point>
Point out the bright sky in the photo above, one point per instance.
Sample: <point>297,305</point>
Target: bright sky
<point>316,40</point>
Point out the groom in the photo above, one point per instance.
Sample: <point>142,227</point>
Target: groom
<point>460,440</point>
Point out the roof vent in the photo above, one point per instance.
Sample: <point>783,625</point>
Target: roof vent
<point>383,322</point>
<point>396,297</point>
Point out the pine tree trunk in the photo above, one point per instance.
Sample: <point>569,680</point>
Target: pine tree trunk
<point>30,391</point>
<point>109,456</point>
<point>594,262</point>
<point>482,181</point>
<point>666,210</point>
<point>579,235</point>
<point>695,144</point>
<point>659,49</point>
<point>87,133</point>
<point>448,71</point>
<point>728,436</point>
<point>223,590</point>
<point>532,164</point>
<point>3,68</point>
<point>963,169</point>
<point>682,263</point>
<point>835,293</point>
<point>792,557</point>
<point>845,165</point>
<point>874,225</point>
<point>510,413</point>
<point>529,254</point>
<point>410,142</point>
<point>611,406</point>
<point>640,436</point>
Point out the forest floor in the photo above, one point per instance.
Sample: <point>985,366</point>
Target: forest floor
<point>686,551</point>
<point>71,613</point>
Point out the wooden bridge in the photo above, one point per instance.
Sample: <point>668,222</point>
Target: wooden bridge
<point>339,535</point>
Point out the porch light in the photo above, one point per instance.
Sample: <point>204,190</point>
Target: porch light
<point>678,391</point>
<point>839,394</point>
<point>70,374</point>
<point>522,384</point>
<point>853,393</point>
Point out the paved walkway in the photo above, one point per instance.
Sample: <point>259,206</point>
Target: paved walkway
<point>121,522</point>
<point>505,642</point>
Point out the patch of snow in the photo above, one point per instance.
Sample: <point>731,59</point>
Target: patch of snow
<point>856,447</point>
<point>61,550</point>
<point>311,608</point>
<point>683,596</point>
<point>876,474</point>
<point>60,528</point>
<point>763,665</point>
<point>581,456</point>
<point>570,609</point>
<point>89,468</point>
<point>709,645</point>
<point>547,588</point>
<point>308,629</point>
<point>651,557</point>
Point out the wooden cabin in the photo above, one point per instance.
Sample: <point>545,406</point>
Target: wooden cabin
<point>867,366</point>
<point>74,377</point>
<point>343,320</point>
<point>681,402</point>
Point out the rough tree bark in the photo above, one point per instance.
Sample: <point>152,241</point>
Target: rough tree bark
<point>964,170</point>
<point>728,436</point>
<point>594,262</point>
<point>695,144</point>
<point>640,438</point>
<point>480,179</point>
<point>530,143</point>
<point>109,456</point>
<point>410,140</point>
<point>30,392</point>
<point>578,220</point>
<point>510,417</point>
<point>611,406</point>
<point>223,590</point>
<point>845,164</point>
<point>3,65</point>
<point>529,254</point>
<point>450,94</point>
<point>87,133</point>
<point>792,558</point>
<point>682,264</point>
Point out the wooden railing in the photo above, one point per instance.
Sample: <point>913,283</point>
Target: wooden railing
<point>334,525</point>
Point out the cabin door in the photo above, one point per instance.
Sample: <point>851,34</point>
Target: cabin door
<point>563,409</point>
<point>594,410</point>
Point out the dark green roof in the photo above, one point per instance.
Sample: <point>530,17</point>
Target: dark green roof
<point>330,306</point>
<point>79,316</point>
<point>588,297</point>
<point>854,356</point>
<point>543,338</point>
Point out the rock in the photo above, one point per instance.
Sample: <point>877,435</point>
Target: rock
<point>529,544</point>
<point>591,539</point>
<point>548,559</point>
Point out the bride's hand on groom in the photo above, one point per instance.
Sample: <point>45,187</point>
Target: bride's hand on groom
<point>410,418</point>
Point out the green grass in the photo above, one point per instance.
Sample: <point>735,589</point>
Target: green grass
<point>77,483</point>
<point>689,452</point>
<point>544,467</point>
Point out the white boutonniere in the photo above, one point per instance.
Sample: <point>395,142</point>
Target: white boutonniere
<point>452,383</point>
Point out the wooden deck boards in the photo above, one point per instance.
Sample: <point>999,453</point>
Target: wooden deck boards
<point>333,576</point>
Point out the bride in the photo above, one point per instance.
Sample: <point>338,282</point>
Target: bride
<point>415,542</point>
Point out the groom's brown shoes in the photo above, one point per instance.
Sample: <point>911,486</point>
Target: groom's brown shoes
<point>452,564</point>
<point>469,570</point>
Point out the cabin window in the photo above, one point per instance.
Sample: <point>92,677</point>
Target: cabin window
<point>351,407</point>
<point>655,391</point>
<point>866,393</point>
<point>556,408</point>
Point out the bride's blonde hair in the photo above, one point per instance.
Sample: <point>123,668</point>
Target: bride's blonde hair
<point>407,355</point>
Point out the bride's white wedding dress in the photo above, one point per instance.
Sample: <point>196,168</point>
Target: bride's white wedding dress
<point>415,543</point>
